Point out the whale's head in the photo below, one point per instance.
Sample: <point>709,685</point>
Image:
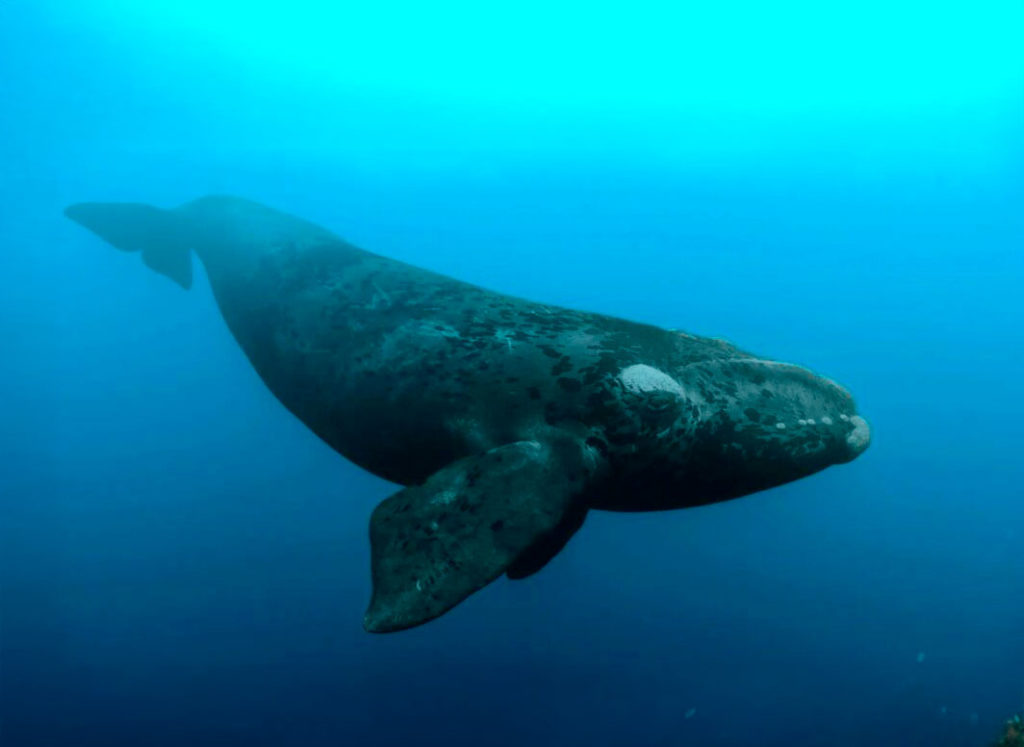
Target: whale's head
<point>729,427</point>
<point>764,423</point>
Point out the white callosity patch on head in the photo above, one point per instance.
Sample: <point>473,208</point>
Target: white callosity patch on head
<point>641,378</point>
<point>823,420</point>
<point>860,436</point>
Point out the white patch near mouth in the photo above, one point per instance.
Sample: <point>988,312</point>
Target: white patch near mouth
<point>860,436</point>
<point>642,378</point>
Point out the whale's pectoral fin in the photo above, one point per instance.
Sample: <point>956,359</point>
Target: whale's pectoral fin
<point>161,235</point>
<point>548,545</point>
<point>435,544</point>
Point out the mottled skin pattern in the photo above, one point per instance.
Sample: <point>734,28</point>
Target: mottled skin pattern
<point>405,372</point>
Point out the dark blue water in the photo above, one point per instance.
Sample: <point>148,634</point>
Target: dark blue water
<point>184,563</point>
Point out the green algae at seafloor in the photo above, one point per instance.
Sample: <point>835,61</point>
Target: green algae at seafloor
<point>1013,734</point>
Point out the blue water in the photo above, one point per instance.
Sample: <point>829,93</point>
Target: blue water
<point>184,563</point>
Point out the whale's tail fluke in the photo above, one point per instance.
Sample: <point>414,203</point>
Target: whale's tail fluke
<point>161,235</point>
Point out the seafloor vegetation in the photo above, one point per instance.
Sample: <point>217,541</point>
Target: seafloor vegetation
<point>1013,734</point>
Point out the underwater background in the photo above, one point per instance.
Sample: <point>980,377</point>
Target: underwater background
<point>837,185</point>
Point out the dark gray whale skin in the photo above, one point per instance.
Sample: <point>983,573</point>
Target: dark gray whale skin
<point>506,419</point>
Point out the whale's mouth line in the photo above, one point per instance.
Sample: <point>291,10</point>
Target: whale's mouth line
<point>857,439</point>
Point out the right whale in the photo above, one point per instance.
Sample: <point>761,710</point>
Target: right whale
<point>506,420</point>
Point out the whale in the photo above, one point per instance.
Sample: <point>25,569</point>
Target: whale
<point>503,421</point>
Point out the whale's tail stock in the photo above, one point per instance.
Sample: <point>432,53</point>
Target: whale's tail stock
<point>161,235</point>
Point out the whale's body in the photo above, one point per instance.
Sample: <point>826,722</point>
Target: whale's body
<point>508,420</point>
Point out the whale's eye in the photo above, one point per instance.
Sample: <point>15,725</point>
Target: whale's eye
<point>659,401</point>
